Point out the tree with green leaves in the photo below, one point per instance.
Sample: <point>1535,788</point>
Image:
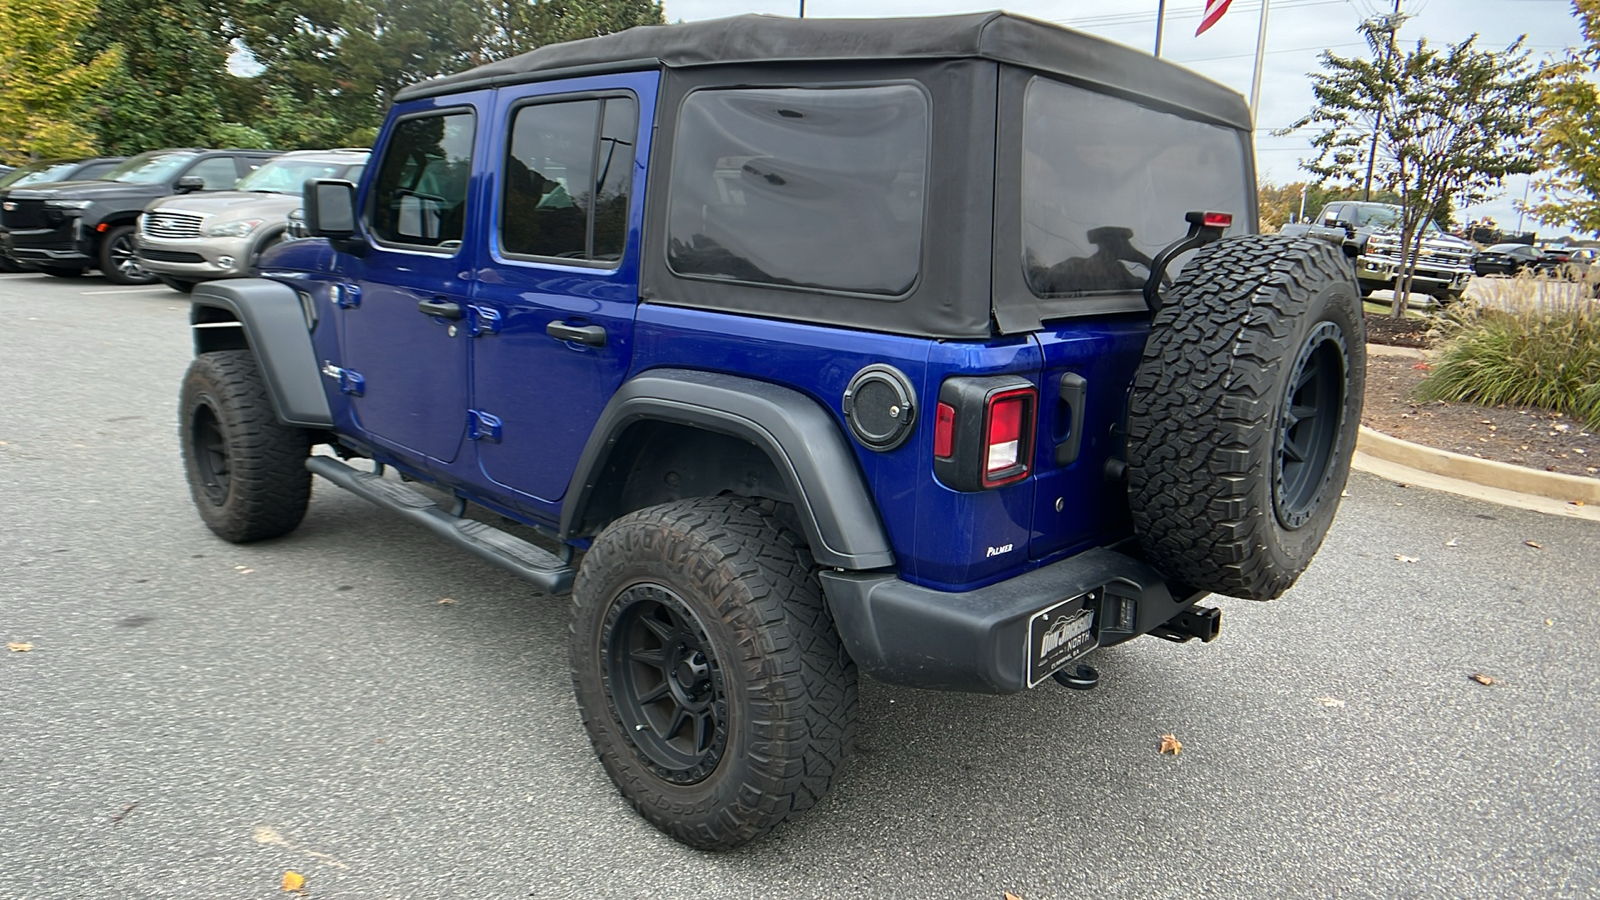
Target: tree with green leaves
<point>45,74</point>
<point>1452,123</point>
<point>1569,133</point>
<point>170,90</point>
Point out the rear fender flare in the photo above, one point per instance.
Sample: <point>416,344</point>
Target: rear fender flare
<point>802,439</point>
<point>275,330</point>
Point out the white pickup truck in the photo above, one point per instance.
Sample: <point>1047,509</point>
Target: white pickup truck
<point>1370,234</point>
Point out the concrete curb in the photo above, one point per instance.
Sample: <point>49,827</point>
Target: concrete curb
<point>1498,482</point>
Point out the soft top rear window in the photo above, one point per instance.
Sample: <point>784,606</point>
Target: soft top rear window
<point>1106,183</point>
<point>811,187</point>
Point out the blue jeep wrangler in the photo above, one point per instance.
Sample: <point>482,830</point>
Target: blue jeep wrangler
<point>798,349</point>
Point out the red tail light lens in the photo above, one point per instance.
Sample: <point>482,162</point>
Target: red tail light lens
<point>1218,220</point>
<point>944,432</point>
<point>1008,437</point>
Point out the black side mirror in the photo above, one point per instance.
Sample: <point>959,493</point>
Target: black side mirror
<point>330,208</point>
<point>1340,223</point>
<point>188,184</point>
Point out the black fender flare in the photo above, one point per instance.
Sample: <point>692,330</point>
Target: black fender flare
<point>801,438</point>
<point>275,329</point>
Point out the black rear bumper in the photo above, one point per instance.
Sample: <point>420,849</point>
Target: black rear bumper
<point>976,641</point>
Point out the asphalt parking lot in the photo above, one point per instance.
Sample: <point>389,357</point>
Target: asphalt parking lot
<point>196,718</point>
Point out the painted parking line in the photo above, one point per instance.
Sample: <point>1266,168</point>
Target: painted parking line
<point>125,291</point>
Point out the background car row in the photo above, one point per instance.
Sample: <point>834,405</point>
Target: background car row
<point>140,219</point>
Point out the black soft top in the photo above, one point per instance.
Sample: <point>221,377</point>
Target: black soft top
<point>997,36</point>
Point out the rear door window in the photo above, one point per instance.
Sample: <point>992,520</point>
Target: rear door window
<point>420,194</point>
<point>568,176</point>
<point>1106,183</point>
<point>813,187</point>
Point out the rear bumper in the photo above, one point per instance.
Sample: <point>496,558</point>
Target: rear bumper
<point>976,641</point>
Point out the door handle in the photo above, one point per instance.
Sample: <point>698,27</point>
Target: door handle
<point>440,307</point>
<point>593,335</point>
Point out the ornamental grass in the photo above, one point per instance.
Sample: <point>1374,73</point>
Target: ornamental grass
<point>1524,341</point>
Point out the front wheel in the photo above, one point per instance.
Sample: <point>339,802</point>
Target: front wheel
<point>708,670</point>
<point>246,469</point>
<point>119,261</point>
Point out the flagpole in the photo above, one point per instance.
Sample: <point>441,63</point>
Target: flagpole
<point>1161,16</point>
<point>1261,49</point>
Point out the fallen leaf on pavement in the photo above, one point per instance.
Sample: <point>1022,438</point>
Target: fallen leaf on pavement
<point>1407,559</point>
<point>1170,744</point>
<point>1481,678</point>
<point>294,881</point>
<point>1452,542</point>
<point>1549,622</point>
<point>18,647</point>
<point>446,601</point>
<point>1575,502</point>
<point>1011,896</point>
<point>1331,702</point>
<point>1534,544</point>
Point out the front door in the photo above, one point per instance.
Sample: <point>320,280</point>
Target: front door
<point>404,296</point>
<point>554,309</point>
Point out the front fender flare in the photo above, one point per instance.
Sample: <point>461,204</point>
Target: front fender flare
<point>275,329</point>
<point>801,438</point>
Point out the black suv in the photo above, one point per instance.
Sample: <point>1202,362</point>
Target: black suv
<point>62,229</point>
<point>49,171</point>
<point>798,350</point>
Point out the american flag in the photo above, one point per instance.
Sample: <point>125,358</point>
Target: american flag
<point>1214,11</point>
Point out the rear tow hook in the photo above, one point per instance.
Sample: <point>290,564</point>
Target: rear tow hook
<point>1079,677</point>
<point>1201,622</point>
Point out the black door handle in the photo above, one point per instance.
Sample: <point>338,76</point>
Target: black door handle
<point>440,307</point>
<point>593,335</point>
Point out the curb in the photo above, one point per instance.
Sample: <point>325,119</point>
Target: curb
<point>1549,492</point>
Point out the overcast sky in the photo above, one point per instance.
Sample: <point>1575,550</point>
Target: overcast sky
<point>1297,32</point>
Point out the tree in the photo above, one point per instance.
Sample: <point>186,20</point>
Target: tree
<point>169,90</point>
<point>1569,133</point>
<point>44,77</point>
<point>521,26</point>
<point>1452,122</point>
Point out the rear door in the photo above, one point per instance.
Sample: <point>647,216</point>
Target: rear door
<point>402,297</point>
<point>553,312</point>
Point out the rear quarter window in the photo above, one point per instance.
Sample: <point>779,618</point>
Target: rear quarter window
<point>1106,183</point>
<point>806,187</point>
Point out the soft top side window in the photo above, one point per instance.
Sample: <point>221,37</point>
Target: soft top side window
<point>813,187</point>
<point>567,179</point>
<point>420,194</point>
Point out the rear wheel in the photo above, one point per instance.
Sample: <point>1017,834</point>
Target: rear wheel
<point>246,469</point>
<point>708,671</point>
<point>119,260</point>
<point>1244,414</point>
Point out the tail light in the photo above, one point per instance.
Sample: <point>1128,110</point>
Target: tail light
<point>983,431</point>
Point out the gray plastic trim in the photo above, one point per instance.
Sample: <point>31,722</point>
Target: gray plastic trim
<point>275,328</point>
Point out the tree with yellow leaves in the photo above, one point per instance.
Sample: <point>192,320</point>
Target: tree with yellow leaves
<point>44,83</point>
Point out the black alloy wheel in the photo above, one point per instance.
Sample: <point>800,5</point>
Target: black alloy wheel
<point>210,453</point>
<point>1312,420</point>
<point>119,258</point>
<point>667,685</point>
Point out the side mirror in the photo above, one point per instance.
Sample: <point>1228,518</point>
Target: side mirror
<point>330,208</point>
<point>188,184</point>
<point>1340,223</point>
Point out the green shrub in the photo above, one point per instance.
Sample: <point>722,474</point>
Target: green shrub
<point>1523,342</point>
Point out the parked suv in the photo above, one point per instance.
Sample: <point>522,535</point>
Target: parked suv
<point>45,172</point>
<point>63,229</point>
<point>801,349</point>
<point>191,238</point>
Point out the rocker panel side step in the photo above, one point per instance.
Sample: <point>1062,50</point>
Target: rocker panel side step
<point>528,561</point>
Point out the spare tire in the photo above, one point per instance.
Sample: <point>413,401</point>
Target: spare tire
<point>1244,413</point>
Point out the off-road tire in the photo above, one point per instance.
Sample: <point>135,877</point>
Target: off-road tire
<point>1219,500</point>
<point>119,262</point>
<point>781,687</point>
<point>246,469</point>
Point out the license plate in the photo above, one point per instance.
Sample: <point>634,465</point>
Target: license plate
<point>1058,636</point>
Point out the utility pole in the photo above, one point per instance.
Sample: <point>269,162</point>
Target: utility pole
<point>802,9</point>
<point>1391,24</point>
<point>1261,50</point>
<point>1161,18</point>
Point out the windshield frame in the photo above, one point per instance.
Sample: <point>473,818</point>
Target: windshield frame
<point>147,161</point>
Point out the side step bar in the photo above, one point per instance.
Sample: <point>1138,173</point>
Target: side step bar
<point>529,561</point>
